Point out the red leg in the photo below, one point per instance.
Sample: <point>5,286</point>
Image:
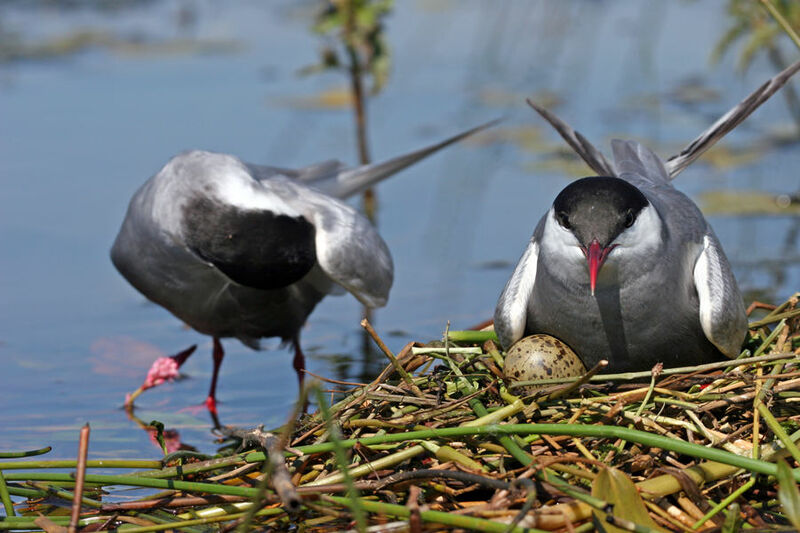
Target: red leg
<point>299,361</point>
<point>300,367</point>
<point>218,354</point>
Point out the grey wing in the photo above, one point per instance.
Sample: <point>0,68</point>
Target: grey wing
<point>729,121</point>
<point>349,249</point>
<point>591,155</point>
<point>265,172</point>
<point>511,313</point>
<point>348,182</point>
<point>310,174</point>
<point>320,172</point>
<point>722,314</point>
<point>631,157</point>
<point>333,178</point>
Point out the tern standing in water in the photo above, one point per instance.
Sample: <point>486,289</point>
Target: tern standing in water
<point>247,251</point>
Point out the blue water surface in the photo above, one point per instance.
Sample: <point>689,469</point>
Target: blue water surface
<point>80,131</point>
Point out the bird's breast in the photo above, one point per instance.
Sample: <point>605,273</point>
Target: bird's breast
<point>633,321</point>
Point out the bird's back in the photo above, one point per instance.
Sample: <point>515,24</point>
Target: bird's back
<point>151,252</point>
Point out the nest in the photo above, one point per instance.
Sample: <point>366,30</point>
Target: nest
<point>438,441</point>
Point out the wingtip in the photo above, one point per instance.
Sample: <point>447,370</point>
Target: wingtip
<point>476,129</point>
<point>534,105</point>
<point>729,121</point>
<point>360,178</point>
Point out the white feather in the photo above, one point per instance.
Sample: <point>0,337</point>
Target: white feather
<point>512,308</point>
<point>703,284</point>
<point>641,239</point>
<point>559,243</point>
<point>235,185</point>
<point>349,249</point>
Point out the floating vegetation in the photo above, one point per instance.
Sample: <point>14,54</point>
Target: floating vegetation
<point>15,49</point>
<point>496,96</point>
<point>749,203</point>
<point>332,98</point>
<point>438,441</point>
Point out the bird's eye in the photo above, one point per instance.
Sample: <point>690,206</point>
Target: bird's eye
<point>563,219</point>
<point>629,219</point>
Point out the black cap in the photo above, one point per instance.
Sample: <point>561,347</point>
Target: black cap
<point>598,208</point>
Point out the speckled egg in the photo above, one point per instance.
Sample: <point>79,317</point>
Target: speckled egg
<point>540,357</point>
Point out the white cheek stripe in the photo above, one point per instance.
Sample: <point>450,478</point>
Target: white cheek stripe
<point>561,243</point>
<point>645,234</point>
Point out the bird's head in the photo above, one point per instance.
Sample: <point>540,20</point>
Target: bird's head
<point>599,214</point>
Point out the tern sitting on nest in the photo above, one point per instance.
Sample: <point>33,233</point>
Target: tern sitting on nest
<point>624,267</point>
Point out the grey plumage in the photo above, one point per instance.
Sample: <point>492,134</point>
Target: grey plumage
<point>666,293</point>
<point>591,155</point>
<point>729,121</point>
<point>247,251</point>
<point>646,290</point>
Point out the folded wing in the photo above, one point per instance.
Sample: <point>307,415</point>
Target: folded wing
<point>722,314</point>
<point>511,313</point>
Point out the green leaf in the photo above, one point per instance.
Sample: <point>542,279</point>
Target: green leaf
<point>761,38</point>
<point>733,519</point>
<point>616,488</point>
<point>726,41</point>
<point>788,494</point>
<point>159,429</point>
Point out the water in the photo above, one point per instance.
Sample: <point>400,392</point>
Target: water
<point>81,131</point>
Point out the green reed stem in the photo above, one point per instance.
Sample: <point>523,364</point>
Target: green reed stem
<point>782,21</point>
<point>341,458</point>
<point>725,503</point>
<point>367,468</point>
<point>201,521</point>
<point>72,463</point>
<point>627,376</point>
<point>31,453</point>
<point>5,497</point>
<point>27,522</point>
<point>194,468</point>
<point>779,432</point>
<point>471,336</point>
<point>437,517</point>
<point>137,481</point>
<point>574,430</point>
<point>770,338</point>
<point>48,491</point>
<point>774,318</point>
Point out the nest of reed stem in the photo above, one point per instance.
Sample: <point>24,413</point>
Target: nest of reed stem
<point>439,442</point>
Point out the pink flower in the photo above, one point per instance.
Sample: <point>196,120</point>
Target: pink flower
<point>166,368</point>
<point>163,369</point>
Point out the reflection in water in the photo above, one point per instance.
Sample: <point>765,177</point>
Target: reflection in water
<point>357,44</point>
<point>166,440</point>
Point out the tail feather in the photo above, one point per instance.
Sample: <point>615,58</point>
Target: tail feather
<point>729,121</point>
<point>350,182</point>
<point>631,157</point>
<point>593,157</point>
